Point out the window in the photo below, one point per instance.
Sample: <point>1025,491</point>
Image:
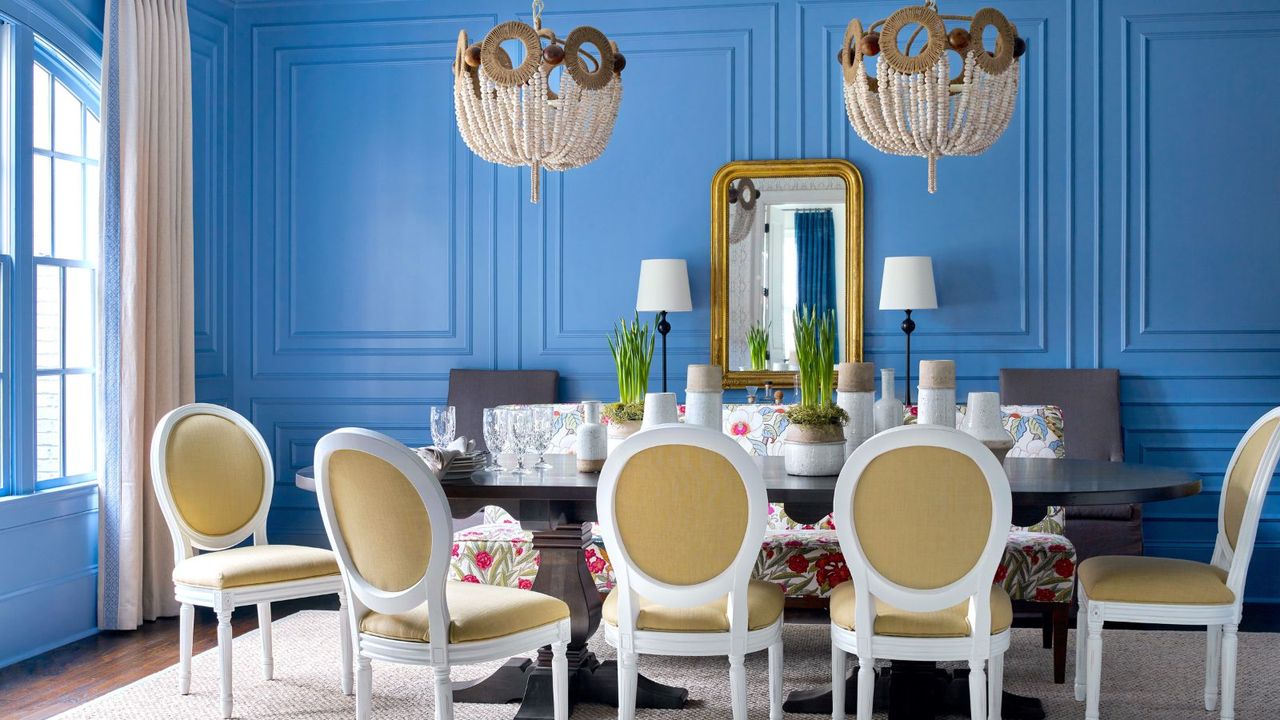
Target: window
<point>49,383</point>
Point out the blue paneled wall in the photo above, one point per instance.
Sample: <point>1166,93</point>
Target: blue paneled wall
<point>1126,219</point>
<point>350,250</point>
<point>361,251</point>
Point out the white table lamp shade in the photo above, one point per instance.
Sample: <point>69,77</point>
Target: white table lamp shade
<point>908,284</point>
<point>664,285</point>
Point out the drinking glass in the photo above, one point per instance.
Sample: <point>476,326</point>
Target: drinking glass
<point>493,436</point>
<point>522,436</point>
<point>444,425</point>
<point>543,419</point>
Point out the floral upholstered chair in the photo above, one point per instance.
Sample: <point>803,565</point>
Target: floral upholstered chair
<point>500,552</point>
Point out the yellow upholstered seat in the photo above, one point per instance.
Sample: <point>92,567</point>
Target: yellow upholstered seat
<point>764,607</point>
<point>1161,581</point>
<point>255,565</point>
<point>952,622</point>
<point>477,612</point>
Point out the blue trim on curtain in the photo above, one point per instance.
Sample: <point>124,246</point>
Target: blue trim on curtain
<point>815,259</point>
<point>109,563</point>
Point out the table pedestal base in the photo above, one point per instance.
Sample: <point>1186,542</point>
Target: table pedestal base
<point>913,691</point>
<point>590,680</point>
<point>563,573</point>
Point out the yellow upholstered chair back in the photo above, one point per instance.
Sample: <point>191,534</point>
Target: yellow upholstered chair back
<point>922,513</point>
<point>387,519</point>
<point>671,488</point>
<point>213,477</point>
<point>1244,489</point>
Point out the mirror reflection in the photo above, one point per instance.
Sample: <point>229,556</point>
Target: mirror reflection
<point>787,250</point>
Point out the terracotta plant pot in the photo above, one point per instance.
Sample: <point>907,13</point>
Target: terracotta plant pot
<point>813,449</point>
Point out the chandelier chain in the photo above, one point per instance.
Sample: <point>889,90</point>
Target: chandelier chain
<point>538,7</point>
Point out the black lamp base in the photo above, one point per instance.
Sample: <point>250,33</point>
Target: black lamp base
<point>664,327</point>
<point>908,326</point>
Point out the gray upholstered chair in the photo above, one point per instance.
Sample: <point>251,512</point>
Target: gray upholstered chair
<point>471,391</point>
<point>1090,402</point>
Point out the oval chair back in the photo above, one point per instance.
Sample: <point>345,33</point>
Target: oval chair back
<point>922,513</point>
<point>388,522</point>
<point>674,487</point>
<point>213,478</point>
<point>1245,487</point>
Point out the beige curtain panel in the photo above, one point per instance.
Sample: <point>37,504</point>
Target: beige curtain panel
<point>148,355</point>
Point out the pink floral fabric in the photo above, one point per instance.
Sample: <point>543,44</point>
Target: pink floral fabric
<point>804,559</point>
<point>503,554</point>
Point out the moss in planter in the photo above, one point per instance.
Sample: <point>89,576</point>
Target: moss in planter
<point>817,415</point>
<point>625,412</point>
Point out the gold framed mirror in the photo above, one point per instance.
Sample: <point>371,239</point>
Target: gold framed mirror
<point>784,234</point>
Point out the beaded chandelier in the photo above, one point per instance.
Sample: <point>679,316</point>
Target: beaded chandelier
<point>913,106</point>
<point>511,116</point>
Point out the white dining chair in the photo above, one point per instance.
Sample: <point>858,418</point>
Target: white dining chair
<point>665,490</point>
<point>1168,591</point>
<point>922,513</point>
<point>389,523</point>
<point>213,478</point>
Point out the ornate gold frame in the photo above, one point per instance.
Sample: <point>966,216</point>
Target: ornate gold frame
<point>831,167</point>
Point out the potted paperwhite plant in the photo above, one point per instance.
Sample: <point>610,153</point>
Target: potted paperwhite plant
<point>758,342</point>
<point>814,440</point>
<point>632,348</point>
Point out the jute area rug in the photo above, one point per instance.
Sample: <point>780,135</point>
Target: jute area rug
<point>1147,675</point>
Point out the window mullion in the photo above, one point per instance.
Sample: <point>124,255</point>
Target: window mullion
<point>21,339</point>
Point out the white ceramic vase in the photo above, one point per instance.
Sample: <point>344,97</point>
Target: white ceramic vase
<point>984,421</point>
<point>937,393</point>
<point>660,409</point>
<point>862,420</point>
<point>937,406</point>
<point>704,408</point>
<point>888,409</point>
<point>592,441</point>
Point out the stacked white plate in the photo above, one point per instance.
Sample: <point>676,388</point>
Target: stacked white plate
<point>464,465</point>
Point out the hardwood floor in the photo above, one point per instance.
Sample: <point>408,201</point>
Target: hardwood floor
<point>73,674</point>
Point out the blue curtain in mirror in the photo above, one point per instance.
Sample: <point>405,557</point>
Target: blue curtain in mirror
<point>815,258</point>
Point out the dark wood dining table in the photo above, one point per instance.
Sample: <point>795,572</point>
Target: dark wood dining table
<point>558,506</point>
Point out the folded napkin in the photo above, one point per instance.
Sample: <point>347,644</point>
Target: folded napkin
<point>439,459</point>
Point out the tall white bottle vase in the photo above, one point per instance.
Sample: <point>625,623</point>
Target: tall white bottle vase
<point>592,441</point>
<point>704,397</point>
<point>856,395</point>
<point>862,417</point>
<point>704,408</point>
<point>888,409</point>
<point>937,393</point>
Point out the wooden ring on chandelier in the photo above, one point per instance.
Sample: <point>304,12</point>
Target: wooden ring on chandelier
<point>573,64</point>
<point>1006,33</point>
<point>934,48</point>
<point>850,55</point>
<point>496,62</point>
